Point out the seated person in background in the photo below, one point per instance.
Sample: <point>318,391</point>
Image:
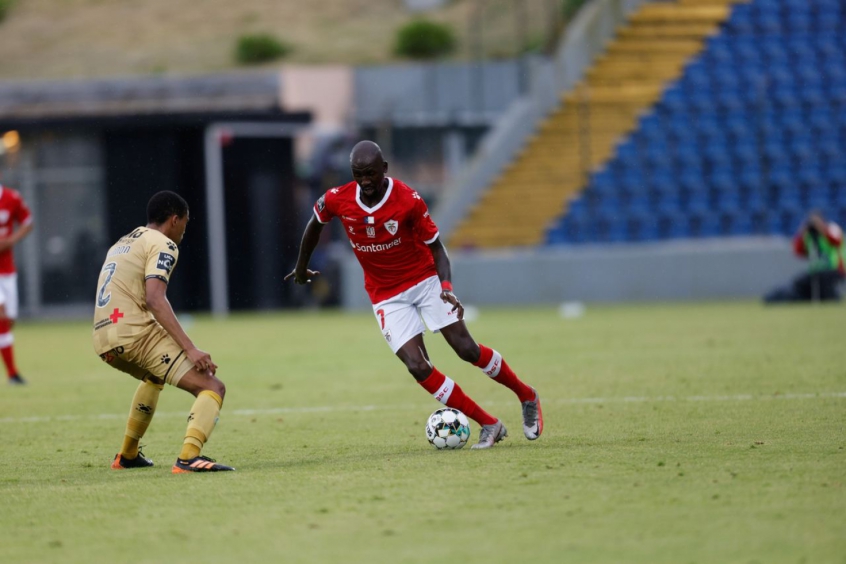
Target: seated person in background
<point>821,242</point>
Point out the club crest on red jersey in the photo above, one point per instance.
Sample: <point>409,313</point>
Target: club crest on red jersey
<point>392,226</point>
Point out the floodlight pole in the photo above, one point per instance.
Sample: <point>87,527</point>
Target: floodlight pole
<point>216,201</point>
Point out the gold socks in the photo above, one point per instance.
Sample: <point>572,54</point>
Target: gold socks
<point>201,422</point>
<point>140,415</point>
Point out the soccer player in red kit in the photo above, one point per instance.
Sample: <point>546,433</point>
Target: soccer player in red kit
<point>407,275</point>
<point>13,211</point>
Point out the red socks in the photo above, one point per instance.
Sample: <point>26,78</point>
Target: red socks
<point>450,394</point>
<point>9,361</point>
<point>6,340</point>
<point>492,364</point>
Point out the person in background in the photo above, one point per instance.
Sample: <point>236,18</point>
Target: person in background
<point>15,224</point>
<point>821,242</point>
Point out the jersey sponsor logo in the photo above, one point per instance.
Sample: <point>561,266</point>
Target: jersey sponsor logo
<point>494,366</point>
<point>109,356</point>
<point>352,231</point>
<point>122,250</point>
<point>132,236</point>
<point>321,203</point>
<point>388,335</point>
<point>376,248</point>
<point>165,262</point>
<point>392,226</point>
<point>102,323</point>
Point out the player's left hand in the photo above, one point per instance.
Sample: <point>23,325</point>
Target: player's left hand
<point>449,297</point>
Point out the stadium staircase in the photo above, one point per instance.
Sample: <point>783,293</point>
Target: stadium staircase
<point>646,54</point>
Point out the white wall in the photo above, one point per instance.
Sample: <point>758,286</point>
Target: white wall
<point>675,270</point>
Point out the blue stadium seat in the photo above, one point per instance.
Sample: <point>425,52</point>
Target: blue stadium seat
<point>754,198</point>
<point>760,222</point>
<point>799,22</point>
<point>817,197</point>
<point>835,175</point>
<point>736,222</point>
<point>609,228</point>
<point>704,224</point>
<point>673,226</point>
<point>838,194</point>
<point>768,23</point>
<point>741,21</point>
<point>812,94</point>
<point>642,226</point>
<point>802,149</point>
<point>556,236</point>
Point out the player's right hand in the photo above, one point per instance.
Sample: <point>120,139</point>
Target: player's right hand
<point>448,297</point>
<point>302,278</point>
<point>202,360</point>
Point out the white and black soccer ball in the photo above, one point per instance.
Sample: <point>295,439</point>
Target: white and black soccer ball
<point>447,428</point>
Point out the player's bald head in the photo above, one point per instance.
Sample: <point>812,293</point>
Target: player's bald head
<point>365,153</point>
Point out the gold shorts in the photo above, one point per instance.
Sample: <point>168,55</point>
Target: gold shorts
<point>155,354</point>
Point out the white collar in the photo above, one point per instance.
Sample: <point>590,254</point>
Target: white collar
<point>381,202</point>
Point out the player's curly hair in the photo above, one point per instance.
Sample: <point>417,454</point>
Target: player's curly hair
<point>165,204</point>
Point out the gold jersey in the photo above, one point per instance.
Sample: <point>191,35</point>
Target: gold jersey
<point>120,313</point>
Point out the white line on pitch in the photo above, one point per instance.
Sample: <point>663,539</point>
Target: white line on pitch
<point>395,407</point>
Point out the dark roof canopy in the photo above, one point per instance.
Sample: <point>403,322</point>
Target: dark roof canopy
<point>211,96</point>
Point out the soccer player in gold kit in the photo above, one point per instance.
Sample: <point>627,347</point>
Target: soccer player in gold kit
<point>136,331</point>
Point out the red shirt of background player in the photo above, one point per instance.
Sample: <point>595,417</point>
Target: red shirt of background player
<point>12,210</point>
<point>390,239</point>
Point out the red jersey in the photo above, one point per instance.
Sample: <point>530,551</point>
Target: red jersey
<point>831,250</point>
<point>390,239</point>
<point>12,210</point>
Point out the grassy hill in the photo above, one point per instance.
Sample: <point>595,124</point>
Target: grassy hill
<point>98,38</point>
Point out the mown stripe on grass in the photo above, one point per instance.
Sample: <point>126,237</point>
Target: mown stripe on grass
<point>396,407</point>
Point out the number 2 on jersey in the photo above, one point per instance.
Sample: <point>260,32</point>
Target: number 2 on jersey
<point>103,298</point>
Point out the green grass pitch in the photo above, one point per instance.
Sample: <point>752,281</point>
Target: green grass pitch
<point>674,434</point>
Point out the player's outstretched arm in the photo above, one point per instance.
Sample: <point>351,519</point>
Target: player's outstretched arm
<point>301,273</point>
<point>161,309</point>
<point>444,269</point>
